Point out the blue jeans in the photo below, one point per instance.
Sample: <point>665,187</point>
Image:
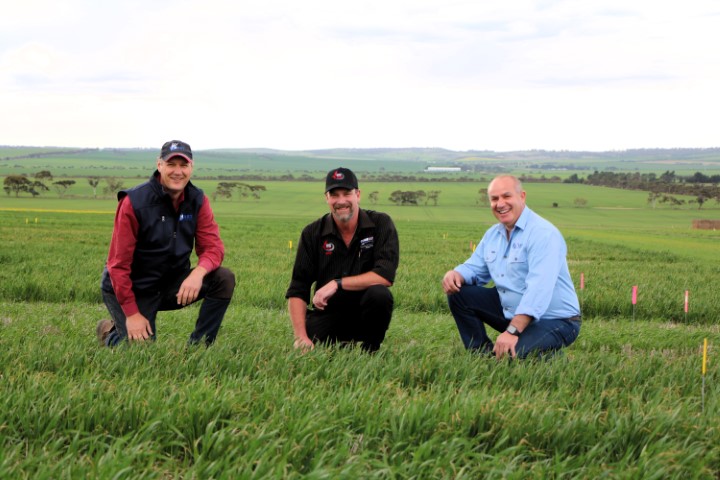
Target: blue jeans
<point>474,306</point>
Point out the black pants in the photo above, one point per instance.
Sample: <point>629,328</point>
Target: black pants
<point>362,316</point>
<point>217,290</point>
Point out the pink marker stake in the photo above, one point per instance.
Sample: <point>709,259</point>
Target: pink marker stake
<point>582,281</point>
<point>687,295</point>
<point>634,299</point>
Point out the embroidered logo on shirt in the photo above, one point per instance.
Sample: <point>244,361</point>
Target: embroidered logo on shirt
<point>367,243</point>
<point>185,217</point>
<point>329,247</point>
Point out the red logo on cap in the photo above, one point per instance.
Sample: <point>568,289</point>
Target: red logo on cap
<point>338,175</point>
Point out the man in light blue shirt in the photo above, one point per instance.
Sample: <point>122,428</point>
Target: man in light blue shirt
<point>533,303</point>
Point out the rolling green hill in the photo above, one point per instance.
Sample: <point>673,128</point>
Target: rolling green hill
<point>403,161</point>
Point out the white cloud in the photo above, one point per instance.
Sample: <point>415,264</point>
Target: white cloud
<point>274,73</point>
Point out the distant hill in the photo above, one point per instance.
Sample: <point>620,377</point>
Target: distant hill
<point>405,161</point>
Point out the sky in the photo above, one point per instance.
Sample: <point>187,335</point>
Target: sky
<point>591,75</point>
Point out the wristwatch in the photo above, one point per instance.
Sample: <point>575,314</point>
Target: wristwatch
<point>512,330</point>
<point>339,283</point>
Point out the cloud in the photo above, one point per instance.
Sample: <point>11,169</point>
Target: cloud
<point>454,73</point>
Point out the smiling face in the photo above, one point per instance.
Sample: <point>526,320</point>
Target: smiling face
<point>507,200</point>
<point>175,174</point>
<point>343,203</point>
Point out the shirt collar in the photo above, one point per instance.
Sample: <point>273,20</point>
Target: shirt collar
<point>521,223</point>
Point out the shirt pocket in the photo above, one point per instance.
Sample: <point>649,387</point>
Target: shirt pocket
<point>517,266</point>
<point>490,256</point>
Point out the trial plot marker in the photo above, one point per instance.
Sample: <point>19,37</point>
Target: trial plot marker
<point>634,299</point>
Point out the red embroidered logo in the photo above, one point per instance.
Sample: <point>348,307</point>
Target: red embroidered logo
<point>337,175</point>
<point>329,247</point>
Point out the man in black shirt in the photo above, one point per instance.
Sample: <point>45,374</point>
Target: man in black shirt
<point>351,255</point>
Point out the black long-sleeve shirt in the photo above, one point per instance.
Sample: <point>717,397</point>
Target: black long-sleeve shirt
<point>323,256</point>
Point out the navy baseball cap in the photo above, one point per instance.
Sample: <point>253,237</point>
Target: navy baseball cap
<point>340,178</point>
<point>176,148</point>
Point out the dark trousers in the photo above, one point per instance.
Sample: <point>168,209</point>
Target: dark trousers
<point>473,307</point>
<point>216,293</point>
<point>362,316</point>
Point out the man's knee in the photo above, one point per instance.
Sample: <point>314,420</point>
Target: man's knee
<point>378,296</point>
<point>224,284</point>
<point>457,299</point>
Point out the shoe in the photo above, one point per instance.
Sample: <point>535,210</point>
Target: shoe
<point>103,329</point>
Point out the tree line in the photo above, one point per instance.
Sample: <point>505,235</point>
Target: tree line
<point>661,188</point>
<point>38,183</point>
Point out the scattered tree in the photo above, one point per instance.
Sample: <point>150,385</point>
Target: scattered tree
<point>373,197</point>
<point>43,175</point>
<point>399,197</point>
<point>483,198</point>
<point>223,190</point>
<point>244,190</point>
<point>37,185</point>
<point>114,185</point>
<point>94,181</point>
<point>573,179</point>
<point>671,200</point>
<point>16,184</point>
<point>433,195</point>
<point>62,186</point>
<point>653,197</point>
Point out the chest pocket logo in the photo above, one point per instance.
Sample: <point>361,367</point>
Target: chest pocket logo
<point>328,247</point>
<point>367,243</point>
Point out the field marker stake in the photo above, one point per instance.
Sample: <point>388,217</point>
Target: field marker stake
<point>634,300</point>
<point>704,369</point>
<point>686,304</point>
<point>290,244</point>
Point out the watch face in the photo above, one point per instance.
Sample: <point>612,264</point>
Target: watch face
<point>511,330</point>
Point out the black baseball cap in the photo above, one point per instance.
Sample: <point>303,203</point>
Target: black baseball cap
<point>340,178</point>
<point>176,148</point>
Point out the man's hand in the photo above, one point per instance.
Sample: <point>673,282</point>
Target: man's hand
<point>505,345</point>
<point>138,327</point>
<point>320,300</point>
<point>452,281</point>
<point>190,288</point>
<point>303,344</point>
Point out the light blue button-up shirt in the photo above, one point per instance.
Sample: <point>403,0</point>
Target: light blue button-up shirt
<point>530,270</point>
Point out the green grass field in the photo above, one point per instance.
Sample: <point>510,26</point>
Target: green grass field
<point>625,401</point>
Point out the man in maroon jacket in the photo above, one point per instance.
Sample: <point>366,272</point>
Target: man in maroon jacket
<point>157,225</point>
